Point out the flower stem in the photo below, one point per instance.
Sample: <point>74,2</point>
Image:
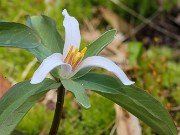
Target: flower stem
<point>58,111</point>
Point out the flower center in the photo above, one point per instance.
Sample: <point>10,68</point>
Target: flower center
<point>74,56</point>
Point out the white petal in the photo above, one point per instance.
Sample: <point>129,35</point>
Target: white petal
<point>72,32</point>
<point>47,65</point>
<point>97,61</point>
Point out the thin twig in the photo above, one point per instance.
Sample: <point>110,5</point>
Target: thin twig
<point>106,128</point>
<point>140,27</point>
<point>177,108</point>
<point>28,68</point>
<point>58,111</point>
<point>113,129</point>
<point>140,17</point>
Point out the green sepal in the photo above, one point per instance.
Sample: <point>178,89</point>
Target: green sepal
<point>78,91</point>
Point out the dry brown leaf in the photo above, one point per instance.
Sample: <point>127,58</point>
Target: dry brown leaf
<point>50,99</point>
<point>126,123</point>
<point>115,21</point>
<point>4,85</point>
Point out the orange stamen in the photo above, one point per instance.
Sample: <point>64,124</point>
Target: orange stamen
<point>83,51</point>
<point>69,54</point>
<point>77,63</point>
<point>70,59</point>
<point>74,57</point>
<point>75,52</point>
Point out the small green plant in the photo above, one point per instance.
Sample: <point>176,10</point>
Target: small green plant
<point>70,68</point>
<point>35,121</point>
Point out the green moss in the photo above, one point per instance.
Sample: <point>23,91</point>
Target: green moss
<point>36,121</point>
<point>98,119</point>
<point>13,62</point>
<point>158,72</point>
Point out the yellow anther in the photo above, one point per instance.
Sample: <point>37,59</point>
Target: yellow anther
<point>83,51</point>
<point>76,57</point>
<point>70,58</point>
<point>69,54</point>
<point>76,51</point>
<point>77,62</point>
<point>82,55</point>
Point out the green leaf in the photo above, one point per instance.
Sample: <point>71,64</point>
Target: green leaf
<point>46,28</point>
<point>18,100</point>
<point>133,99</point>
<point>40,52</point>
<point>96,47</point>
<point>104,85</point>
<point>18,35</point>
<point>52,41</point>
<point>78,91</point>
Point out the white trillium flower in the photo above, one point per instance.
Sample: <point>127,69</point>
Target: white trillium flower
<point>71,61</point>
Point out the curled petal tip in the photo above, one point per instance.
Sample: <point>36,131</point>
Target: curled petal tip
<point>128,83</point>
<point>65,13</point>
<point>98,61</point>
<point>34,82</point>
<point>31,82</point>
